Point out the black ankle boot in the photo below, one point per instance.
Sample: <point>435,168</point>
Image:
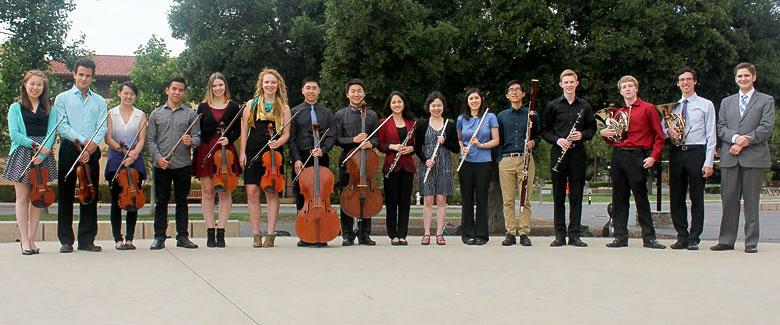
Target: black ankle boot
<point>220,237</point>
<point>210,238</point>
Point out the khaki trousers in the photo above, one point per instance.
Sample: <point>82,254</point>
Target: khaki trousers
<point>510,173</point>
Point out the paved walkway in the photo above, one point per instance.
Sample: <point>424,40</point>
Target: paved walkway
<point>452,284</point>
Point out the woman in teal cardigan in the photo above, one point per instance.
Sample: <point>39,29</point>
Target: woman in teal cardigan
<point>29,122</point>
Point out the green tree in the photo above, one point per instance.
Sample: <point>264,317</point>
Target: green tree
<point>37,30</point>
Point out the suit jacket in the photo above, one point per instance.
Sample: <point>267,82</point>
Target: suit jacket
<point>757,122</point>
<point>389,135</point>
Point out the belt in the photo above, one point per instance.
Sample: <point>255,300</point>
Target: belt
<point>512,154</point>
<point>628,149</point>
<point>690,147</point>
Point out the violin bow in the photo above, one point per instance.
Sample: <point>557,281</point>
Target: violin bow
<point>53,131</point>
<point>435,152</point>
<point>274,137</point>
<point>366,140</point>
<point>135,141</point>
<point>463,158</point>
<point>168,156</point>
<point>211,151</point>
<point>86,144</point>
<point>322,137</point>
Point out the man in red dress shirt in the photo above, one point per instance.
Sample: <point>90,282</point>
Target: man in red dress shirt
<point>630,163</point>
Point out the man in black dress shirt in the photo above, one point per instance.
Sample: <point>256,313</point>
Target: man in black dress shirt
<point>560,116</point>
<point>302,137</point>
<point>348,136</point>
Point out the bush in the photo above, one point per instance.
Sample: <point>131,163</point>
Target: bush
<point>712,189</point>
<point>598,184</point>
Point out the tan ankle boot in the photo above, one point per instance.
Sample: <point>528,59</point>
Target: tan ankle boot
<point>269,241</point>
<point>258,242</point>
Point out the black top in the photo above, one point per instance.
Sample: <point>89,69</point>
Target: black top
<point>559,116</point>
<point>35,123</point>
<point>450,138</point>
<point>349,124</point>
<point>208,125</point>
<point>301,133</point>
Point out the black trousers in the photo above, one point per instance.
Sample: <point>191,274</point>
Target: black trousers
<point>180,177</point>
<point>398,198</point>
<point>571,171</point>
<point>684,174</point>
<point>348,222</point>
<point>116,211</point>
<point>628,174</point>
<point>67,188</point>
<point>324,161</point>
<point>474,178</point>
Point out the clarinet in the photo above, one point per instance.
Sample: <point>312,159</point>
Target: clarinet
<point>568,138</point>
<point>403,144</point>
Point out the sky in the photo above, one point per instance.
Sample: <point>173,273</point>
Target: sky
<point>118,27</point>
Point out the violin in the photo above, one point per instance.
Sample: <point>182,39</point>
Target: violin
<point>273,180</point>
<point>87,190</point>
<point>131,198</point>
<point>317,222</point>
<point>41,195</point>
<point>226,175</point>
<point>361,198</point>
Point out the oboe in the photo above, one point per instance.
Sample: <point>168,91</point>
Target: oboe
<point>398,153</point>
<point>568,138</point>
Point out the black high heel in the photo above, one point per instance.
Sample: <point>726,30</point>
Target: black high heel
<point>25,251</point>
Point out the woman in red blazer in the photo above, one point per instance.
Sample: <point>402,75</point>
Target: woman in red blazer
<point>398,186</point>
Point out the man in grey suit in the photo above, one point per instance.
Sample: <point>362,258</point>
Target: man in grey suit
<point>744,127</point>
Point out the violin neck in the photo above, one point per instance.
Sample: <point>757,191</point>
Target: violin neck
<point>38,172</point>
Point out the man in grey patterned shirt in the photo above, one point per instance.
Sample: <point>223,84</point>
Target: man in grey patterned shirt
<point>167,124</point>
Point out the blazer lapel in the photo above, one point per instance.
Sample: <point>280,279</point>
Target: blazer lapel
<point>751,103</point>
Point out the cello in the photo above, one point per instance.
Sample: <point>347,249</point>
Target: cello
<point>87,191</point>
<point>317,222</point>
<point>361,198</point>
<point>273,180</point>
<point>41,195</point>
<point>131,198</point>
<point>226,176</point>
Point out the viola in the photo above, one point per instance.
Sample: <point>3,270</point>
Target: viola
<point>41,195</point>
<point>272,180</point>
<point>361,198</point>
<point>131,198</point>
<point>226,175</point>
<point>87,190</point>
<point>317,222</point>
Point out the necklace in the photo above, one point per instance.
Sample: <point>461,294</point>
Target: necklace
<point>268,107</point>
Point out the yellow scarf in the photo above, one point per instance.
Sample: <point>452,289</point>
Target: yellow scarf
<point>259,114</point>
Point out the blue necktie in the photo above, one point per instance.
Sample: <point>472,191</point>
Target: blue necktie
<point>742,106</point>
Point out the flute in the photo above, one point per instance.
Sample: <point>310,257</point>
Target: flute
<point>463,157</point>
<point>435,151</point>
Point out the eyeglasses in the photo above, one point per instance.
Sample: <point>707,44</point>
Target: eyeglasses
<point>515,90</point>
<point>355,91</point>
<point>685,79</point>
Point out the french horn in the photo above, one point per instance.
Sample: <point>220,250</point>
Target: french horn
<point>617,121</point>
<point>673,120</point>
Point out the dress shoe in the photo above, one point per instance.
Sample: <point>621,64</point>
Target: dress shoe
<point>693,245</point>
<point>558,242</point>
<point>679,244</point>
<point>469,241</point>
<point>302,243</point>
<point>367,241</point>
<point>509,240</point>
<point>618,243</point>
<point>90,248</point>
<point>721,247</point>
<point>653,244</point>
<point>220,237</point>
<point>751,249</point>
<point>480,241</point>
<point>348,242</point>
<point>185,242</point>
<point>211,237</point>
<point>524,240</point>
<point>66,249</point>
<point>576,241</point>
<point>158,243</point>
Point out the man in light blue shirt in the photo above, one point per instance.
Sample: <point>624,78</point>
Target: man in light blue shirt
<point>85,112</point>
<point>691,161</point>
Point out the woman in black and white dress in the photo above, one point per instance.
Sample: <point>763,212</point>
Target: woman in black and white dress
<point>440,182</point>
<point>29,121</point>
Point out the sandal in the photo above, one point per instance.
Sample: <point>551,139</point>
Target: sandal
<point>402,242</point>
<point>120,246</point>
<point>440,240</point>
<point>425,240</point>
<point>129,246</point>
<point>258,242</point>
<point>269,241</point>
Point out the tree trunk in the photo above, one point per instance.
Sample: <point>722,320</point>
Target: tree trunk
<point>495,203</point>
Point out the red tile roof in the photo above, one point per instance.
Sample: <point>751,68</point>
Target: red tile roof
<point>107,66</point>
